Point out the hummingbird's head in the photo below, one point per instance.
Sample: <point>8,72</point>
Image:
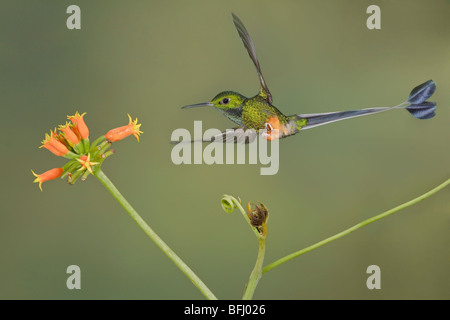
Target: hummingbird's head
<point>225,100</point>
<point>228,100</point>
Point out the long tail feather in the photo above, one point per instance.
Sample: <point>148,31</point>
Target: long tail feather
<point>416,105</point>
<point>424,110</point>
<point>422,92</point>
<point>319,119</point>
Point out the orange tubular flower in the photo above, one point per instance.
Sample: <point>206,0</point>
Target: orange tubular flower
<point>72,142</point>
<point>79,124</point>
<point>117,134</point>
<point>69,135</point>
<point>54,145</point>
<point>86,163</point>
<point>48,175</point>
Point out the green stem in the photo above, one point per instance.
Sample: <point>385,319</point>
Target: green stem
<point>257,271</point>
<point>96,142</point>
<point>152,235</point>
<point>355,227</point>
<point>229,203</point>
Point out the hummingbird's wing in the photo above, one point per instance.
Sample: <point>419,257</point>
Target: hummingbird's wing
<point>236,135</point>
<point>248,43</point>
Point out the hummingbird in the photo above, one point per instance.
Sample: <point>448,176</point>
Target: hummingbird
<point>258,114</point>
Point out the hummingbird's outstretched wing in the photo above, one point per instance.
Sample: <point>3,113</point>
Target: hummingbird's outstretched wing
<point>248,43</point>
<point>236,135</point>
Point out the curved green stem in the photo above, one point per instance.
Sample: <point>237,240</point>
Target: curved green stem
<point>152,235</point>
<point>257,271</point>
<point>228,205</point>
<point>355,227</point>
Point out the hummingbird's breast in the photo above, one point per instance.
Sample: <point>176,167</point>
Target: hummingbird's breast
<point>256,114</point>
<point>234,114</point>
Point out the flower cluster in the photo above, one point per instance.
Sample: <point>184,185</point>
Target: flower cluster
<point>72,142</point>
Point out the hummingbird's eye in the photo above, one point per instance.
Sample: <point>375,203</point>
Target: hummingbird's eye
<point>225,101</point>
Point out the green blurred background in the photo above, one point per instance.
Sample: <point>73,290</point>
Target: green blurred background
<point>149,58</point>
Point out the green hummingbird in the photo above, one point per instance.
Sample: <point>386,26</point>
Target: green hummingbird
<point>257,114</point>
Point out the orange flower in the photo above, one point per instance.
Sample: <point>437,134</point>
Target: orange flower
<point>79,124</point>
<point>54,145</point>
<point>69,135</point>
<point>132,128</point>
<point>48,175</point>
<point>86,163</point>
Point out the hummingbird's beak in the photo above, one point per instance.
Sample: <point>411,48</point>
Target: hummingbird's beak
<point>203,104</point>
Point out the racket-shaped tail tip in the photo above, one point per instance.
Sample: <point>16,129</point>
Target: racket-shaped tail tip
<point>424,110</point>
<point>422,92</point>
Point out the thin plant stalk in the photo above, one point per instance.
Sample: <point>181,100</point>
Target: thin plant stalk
<point>257,271</point>
<point>355,227</point>
<point>228,204</point>
<point>152,235</point>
